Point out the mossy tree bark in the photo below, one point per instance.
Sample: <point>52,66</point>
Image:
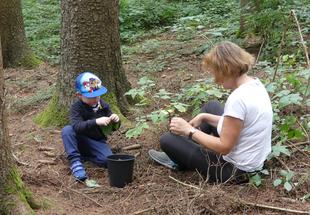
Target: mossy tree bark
<point>13,195</point>
<point>90,41</point>
<point>12,31</point>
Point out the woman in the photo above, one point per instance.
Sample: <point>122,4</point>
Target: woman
<point>223,143</point>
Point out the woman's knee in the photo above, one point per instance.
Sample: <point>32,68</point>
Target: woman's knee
<point>213,107</point>
<point>166,140</point>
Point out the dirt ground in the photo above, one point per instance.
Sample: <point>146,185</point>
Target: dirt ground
<point>40,156</point>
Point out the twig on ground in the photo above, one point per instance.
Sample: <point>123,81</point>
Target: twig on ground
<point>188,185</point>
<point>73,190</point>
<point>306,164</point>
<point>283,164</point>
<point>301,143</point>
<point>137,154</point>
<point>303,128</point>
<point>304,48</point>
<point>19,162</point>
<point>143,211</point>
<point>50,162</point>
<point>292,145</point>
<point>132,147</point>
<point>275,208</point>
<point>80,193</point>
<point>18,144</point>
<point>45,148</point>
<point>49,154</point>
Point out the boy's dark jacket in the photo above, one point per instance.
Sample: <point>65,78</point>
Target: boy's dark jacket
<point>83,119</point>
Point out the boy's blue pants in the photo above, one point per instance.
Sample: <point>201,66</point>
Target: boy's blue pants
<point>80,147</point>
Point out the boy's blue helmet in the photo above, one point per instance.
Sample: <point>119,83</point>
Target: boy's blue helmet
<point>89,85</point>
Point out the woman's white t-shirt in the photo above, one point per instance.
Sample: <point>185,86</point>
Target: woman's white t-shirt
<point>250,102</point>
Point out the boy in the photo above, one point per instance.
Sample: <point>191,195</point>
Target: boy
<point>83,139</point>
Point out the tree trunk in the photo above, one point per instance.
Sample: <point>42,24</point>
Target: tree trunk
<point>246,6</point>
<point>243,4</point>
<point>13,197</point>
<point>90,41</point>
<point>14,46</point>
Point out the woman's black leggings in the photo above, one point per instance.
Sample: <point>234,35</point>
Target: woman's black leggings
<point>191,156</point>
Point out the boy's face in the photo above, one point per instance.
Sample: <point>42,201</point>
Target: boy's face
<point>89,101</point>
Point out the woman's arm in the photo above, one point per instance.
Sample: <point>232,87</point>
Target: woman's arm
<point>229,136</point>
<point>230,133</point>
<point>211,119</point>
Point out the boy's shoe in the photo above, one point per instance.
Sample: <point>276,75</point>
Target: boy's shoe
<point>78,170</point>
<point>163,159</point>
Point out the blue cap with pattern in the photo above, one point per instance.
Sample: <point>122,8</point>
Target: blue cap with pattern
<point>89,85</point>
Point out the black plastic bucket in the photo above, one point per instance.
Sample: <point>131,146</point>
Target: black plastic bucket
<point>120,169</point>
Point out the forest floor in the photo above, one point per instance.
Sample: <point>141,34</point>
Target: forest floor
<point>40,155</point>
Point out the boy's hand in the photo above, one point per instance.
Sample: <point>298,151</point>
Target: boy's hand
<point>114,117</point>
<point>103,121</point>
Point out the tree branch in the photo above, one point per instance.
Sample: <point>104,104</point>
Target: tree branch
<point>304,47</point>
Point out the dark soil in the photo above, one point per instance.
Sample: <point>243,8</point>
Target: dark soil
<point>40,156</point>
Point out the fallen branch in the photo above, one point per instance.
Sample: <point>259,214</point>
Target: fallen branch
<point>18,161</point>
<point>304,47</point>
<point>292,145</point>
<point>283,164</point>
<point>50,162</point>
<point>301,143</point>
<point>80,193</point>
<point>44,148</point>
<point>132,147</point>
<point>143,211</point>
<point>305,131</point>
<point>137,154</point>
<point>275,208</point>
<point>188,185</point>
<point>49,154</point>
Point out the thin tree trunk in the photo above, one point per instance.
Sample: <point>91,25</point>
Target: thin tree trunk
<point>90,41</point>
<point>243,4</point>
<point>247,7</point>
<point>10,190</point>
<point>12,32</point>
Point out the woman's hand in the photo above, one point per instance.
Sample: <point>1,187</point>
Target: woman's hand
<point>114,117</point>
<point>103,121</point>
<point>179,126</point>
<point>197,120</point>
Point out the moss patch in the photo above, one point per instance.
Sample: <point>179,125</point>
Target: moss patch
<point>54,115</point>
<point>110,98</point>
<point>30,61</point>
<point>16,187</point>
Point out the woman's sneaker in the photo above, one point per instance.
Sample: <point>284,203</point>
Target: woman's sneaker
<point>78,171</point>
<point>163,159</point>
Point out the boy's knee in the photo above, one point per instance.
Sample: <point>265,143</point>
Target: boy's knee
<point>68,129</point>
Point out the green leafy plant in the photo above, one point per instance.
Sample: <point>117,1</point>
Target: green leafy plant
<point>189,98</point>
<point>286,180</point>
<point>256,179</point>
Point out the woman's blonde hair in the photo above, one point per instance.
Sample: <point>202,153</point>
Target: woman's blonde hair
<point>227,60</point>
